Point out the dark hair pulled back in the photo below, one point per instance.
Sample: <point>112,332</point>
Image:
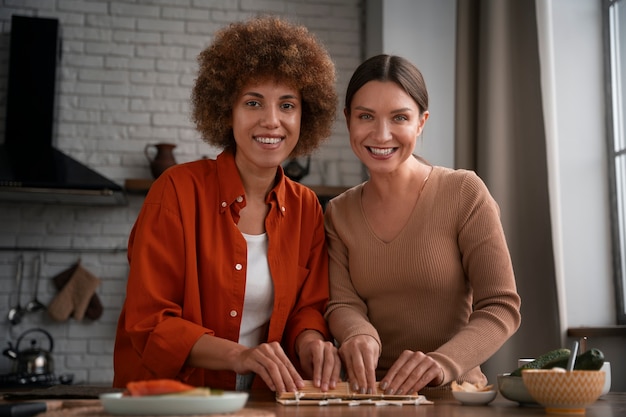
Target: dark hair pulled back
<point>389,68</point>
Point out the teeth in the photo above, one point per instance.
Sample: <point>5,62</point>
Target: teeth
<point>271,141</point>
<point>381,151</point>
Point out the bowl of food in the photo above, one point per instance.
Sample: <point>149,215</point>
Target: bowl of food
<point>473,394</point>
<point>512,388</point>
<point>561,391</point>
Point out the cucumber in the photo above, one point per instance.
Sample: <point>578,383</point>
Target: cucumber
<point>591,360</point>
<point>541,361</point>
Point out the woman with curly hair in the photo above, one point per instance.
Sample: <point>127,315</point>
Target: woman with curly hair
<point>228,275</point>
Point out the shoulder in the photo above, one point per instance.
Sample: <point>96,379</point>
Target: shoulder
<point>463,181</point>
<point>343,209</point>
<point>199,168</point>
<point>297,190</point>
<point>460,190</point>
<point>182,179</point>
<point>455,176</point>
<point>346,200</point>
<point>189,171</point>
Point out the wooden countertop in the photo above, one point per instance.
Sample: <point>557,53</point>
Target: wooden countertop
<point>263,404</point>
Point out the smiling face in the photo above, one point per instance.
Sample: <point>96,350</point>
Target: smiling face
<point>384,123</point>
<point>266,124</point>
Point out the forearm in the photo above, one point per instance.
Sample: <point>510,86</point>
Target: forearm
<point>214,353</point>
<point>345,323</point>
<point>268,361</point>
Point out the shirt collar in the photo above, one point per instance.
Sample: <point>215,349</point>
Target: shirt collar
<point>231,191</point>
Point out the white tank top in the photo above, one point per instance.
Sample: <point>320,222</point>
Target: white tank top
<point>259,295</point>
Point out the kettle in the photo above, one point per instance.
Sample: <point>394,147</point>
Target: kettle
<point>295,171</point>
<point>34,360</point>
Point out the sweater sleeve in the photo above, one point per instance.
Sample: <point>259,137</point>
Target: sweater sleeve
<point>347,313</point>
<point>487,265</point>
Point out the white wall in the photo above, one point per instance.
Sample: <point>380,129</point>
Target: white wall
<point>582,166</point>
<point>425,33</point>
<point>578,170</point>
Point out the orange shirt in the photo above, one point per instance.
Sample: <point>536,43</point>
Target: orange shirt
<point>188,271</point>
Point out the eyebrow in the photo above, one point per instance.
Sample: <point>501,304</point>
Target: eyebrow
<point>367,109</point>
<point>283,97</point>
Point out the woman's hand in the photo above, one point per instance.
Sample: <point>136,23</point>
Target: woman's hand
<point>411,372</point>
<point>360,357</point>
<point>319,359</point>
<point>269,361</point>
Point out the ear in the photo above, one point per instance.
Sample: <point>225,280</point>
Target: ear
<point>422,122</point>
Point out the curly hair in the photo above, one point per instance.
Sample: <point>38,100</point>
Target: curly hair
<point>254,50</point>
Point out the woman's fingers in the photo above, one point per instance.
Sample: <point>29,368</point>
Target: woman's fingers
<point>320,359</point>
<point>411,372</point>
<point>360,356</point>
<point>270,362</point>
<point>332,371</point>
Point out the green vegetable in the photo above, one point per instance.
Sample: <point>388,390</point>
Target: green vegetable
<point>543,360</point>
<point>591,360</point>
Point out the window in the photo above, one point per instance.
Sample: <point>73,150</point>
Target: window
<point>614,15</point>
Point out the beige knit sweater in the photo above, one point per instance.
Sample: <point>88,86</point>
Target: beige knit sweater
<point>443,286</point>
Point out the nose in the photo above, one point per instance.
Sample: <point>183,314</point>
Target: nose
<point>382,132</point>
<point>270,117</point>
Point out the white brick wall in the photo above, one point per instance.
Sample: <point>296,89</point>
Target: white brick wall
<point>125,81</point>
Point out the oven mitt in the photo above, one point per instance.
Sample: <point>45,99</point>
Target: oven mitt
<point>94,308</point>
<point>74,297</point>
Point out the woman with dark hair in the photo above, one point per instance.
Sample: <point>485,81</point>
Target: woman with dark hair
<point>422,289</point>
<point>228,262</point>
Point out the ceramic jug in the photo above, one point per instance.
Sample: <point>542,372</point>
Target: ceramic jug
<point>160,156</point>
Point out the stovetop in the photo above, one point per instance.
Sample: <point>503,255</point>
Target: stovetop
<point>15,379</point>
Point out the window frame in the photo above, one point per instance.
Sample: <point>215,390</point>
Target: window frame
<point>615,93</point>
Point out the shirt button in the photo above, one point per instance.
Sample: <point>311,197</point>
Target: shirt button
<point>233,313</point>
<point>224,204</point>
<point>239,199</point>
<point>282,209</point>
<point>238,267</point>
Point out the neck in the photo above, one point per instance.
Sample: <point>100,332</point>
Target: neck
<point>257,181</point>
<point>389,186</point>
<point>257,186</point>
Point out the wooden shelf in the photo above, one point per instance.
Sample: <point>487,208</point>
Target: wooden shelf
<point>142,185</point>
<point>600,331</point>
<point>137,185</point>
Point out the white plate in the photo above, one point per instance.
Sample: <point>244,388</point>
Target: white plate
<point>157,405</point>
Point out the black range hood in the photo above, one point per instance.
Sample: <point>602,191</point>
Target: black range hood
<point>31,168</point>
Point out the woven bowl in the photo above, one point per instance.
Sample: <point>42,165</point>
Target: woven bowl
<point>564,392</point>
